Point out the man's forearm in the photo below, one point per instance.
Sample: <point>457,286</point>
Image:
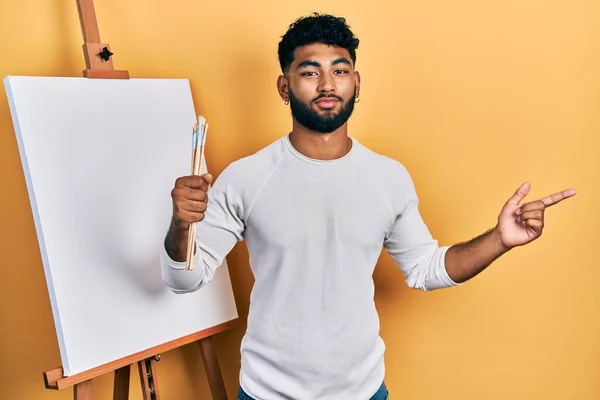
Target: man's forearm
<point>465,260</point>
<point>176,242</point>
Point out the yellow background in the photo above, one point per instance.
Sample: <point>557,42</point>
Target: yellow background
<point>474,97</point>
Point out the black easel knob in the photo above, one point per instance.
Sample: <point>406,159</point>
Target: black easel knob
<point>105,54</point>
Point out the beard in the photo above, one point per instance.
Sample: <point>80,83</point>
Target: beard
<point>327,123</point>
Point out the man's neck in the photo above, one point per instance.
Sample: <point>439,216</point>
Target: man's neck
<point>321,146</point>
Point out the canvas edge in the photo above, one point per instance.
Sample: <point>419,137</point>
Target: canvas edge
<point>9,81</point>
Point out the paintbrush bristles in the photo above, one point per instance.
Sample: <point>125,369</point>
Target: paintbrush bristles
<point>194,140</point>
<point>200,139</point>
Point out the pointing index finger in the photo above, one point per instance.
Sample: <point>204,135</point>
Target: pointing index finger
<point>558,197</point>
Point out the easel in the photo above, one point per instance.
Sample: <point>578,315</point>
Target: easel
<point>99,65</point>
<point>82,382</point>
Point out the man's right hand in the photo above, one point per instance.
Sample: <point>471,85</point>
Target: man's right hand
<point>190,199</point>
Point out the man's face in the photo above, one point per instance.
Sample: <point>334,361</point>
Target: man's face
<point>322,86</point>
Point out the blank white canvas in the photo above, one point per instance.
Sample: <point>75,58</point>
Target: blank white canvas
<point>100,158</point>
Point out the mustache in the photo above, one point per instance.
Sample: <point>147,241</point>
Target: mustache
<point>324,95</point>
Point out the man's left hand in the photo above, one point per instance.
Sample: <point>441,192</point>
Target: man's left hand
<point>519,224</point>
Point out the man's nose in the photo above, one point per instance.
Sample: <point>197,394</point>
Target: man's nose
<point>326,84</point>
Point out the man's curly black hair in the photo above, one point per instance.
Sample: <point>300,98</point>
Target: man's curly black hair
<point>316,28</point>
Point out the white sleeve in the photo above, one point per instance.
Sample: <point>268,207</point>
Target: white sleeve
<point>222,227</point>
<point>412,247</point>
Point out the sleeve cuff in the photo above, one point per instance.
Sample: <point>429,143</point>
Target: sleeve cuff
<point>177,278</point>
<point>169,262</point>
<point>444,272</point>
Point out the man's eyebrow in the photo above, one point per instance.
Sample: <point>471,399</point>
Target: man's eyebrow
<point>342,60</point>
<point>310,63</point>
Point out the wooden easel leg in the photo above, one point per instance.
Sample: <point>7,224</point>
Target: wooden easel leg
<point>211,365</point>
<point>83,390</point>
<point>121,385</point>
<point>148,379</point>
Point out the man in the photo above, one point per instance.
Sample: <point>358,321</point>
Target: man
<point>315,208</point>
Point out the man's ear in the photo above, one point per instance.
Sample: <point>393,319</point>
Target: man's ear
<point>357,82</point>
<point>283,88</point>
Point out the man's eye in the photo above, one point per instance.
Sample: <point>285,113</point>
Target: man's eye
<point>341,71</point>
<point>310,73</point>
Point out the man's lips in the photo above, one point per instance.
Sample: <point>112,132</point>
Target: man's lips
<point>327,102</point>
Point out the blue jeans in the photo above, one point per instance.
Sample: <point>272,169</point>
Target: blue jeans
<point>381,394</point>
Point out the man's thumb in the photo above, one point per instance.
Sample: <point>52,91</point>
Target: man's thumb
<point>208,178</point>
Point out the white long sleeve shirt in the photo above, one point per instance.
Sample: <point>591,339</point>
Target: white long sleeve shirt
<point>314,231</point>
